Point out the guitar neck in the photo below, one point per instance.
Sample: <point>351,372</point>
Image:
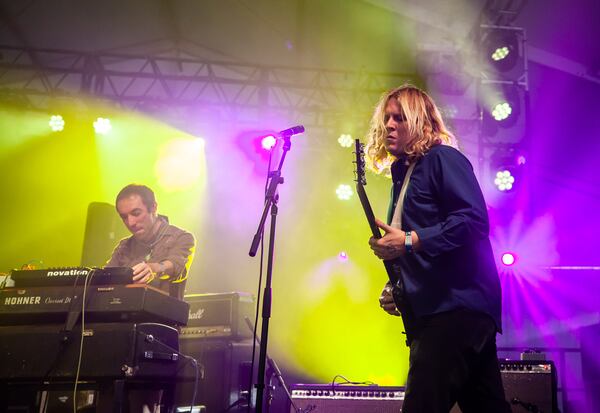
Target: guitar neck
<point>393,267</point>
<point>364,200</point>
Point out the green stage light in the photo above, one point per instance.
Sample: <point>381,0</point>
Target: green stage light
<point>344,192</point>
<point>500,53</point>
<point>102,126</point>
<point>57,123</point>
<point>345,140</point>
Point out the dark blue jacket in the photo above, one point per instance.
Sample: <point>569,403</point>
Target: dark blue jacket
<point>454,267</point>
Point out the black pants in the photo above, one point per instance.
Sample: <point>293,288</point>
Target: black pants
<point>453,359</point>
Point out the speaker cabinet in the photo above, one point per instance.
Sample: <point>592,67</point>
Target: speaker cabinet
<point>226,366</point>
<point>529,386</point>
<point>347,399</point>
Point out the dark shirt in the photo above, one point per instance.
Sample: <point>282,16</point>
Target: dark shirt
<point>170,243</point>
<point>454,267</point>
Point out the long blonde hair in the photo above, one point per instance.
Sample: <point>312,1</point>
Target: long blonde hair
<point>425,127</point>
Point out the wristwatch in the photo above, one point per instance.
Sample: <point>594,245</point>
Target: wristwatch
<point>408,245</point>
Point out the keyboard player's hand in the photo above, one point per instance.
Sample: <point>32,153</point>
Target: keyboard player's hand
<point>142,273</point>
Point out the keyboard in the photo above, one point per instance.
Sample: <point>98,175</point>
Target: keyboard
<point>70,276</point>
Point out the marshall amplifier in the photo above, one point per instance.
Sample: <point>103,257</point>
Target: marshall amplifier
<point>346,399</point>
<point>219,315</point>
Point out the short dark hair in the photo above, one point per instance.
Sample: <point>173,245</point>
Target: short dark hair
<point>143,191</point>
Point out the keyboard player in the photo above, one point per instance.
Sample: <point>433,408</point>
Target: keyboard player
<point>160,254</point>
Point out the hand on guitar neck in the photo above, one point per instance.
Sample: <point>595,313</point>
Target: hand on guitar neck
<point>391,244</point>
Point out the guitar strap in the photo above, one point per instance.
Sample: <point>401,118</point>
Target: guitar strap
<point>397,218</point>
<point>406,312</point>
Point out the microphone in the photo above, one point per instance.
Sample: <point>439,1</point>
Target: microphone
<point>294,130</point>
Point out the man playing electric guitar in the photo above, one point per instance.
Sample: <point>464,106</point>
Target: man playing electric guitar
<point>438,225</point>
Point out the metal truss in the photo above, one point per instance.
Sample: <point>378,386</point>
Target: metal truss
<point>233,91</point>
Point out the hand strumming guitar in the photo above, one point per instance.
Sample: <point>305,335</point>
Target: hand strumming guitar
<point>386,301</point>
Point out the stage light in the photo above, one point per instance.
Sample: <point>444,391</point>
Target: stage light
<point>345,140</point>
<point>502,48</point>
<point>503,119</point>
<point>501,111</point>
<point>344,192</point>
<point>508,259</point>
<point>500,53</point>
<point>507,168</point>
<point>57,123</point>
<point>504,180</point>
<point>342,256</point>
<point>102,126</point>
<point>504,84</point>
<point>268,142</point>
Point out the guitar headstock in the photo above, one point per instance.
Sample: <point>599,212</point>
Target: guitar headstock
<point>359,150</point>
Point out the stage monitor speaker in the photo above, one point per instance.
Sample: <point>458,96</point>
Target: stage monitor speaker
<point>103,230</point>
<point>326,398</point>
<point>226,366</point>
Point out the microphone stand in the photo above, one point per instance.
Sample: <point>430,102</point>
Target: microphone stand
<point>274,370</point>
<point>271,199</point>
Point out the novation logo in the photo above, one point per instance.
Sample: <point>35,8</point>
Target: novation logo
<point>66,273</point>
<point>197,315</point>
<point>34,299</point>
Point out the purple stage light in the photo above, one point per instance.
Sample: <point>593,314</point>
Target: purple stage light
<point>343,256</point>
<point>508,259</point>
<point>268,142</point>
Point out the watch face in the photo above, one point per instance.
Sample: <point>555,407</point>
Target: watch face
<point>408,241</point>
